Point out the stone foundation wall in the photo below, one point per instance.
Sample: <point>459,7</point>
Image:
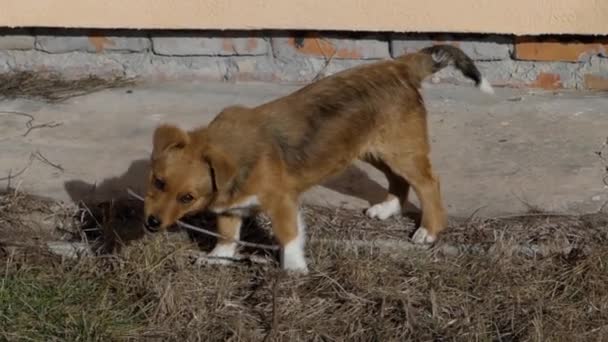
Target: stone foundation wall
<point>538,62</point>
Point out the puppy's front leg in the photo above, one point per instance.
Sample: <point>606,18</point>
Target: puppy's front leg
<point>290,230</point>
<point>230,227</point>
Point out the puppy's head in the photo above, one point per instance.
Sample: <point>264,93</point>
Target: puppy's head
<point>184,177</point>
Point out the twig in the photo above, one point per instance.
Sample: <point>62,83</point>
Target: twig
<point>8,183</point>
<point>162,298</point>
<point>208,232</point>
<point>533,215</point>
<point>249,260</point>
<point>83,236</point>
<point>31,127</point>
<point>12,112</point>
<point>327,61</point>
<point>275,295</point>
<point>54,88</point>
<point>7,243</point>
<point>29,124</point>
<point>470,218</point>
<point>46,161</point>
<point>603,207</point>
<point>603,159</point>
<point>531,207</point>
<point>11,175</point>
<point>33,156</point>
<point>274,326</point>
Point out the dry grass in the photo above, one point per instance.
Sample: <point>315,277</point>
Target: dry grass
<point>153,288</point>
<point>52,87</point>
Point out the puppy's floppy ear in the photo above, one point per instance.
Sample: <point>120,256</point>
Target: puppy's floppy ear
<point>223,168</point>
<point>167,137</point>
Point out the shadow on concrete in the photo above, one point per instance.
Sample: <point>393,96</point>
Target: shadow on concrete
<point>114,188</point>
<point>354,182</point>
<point>112,218</point>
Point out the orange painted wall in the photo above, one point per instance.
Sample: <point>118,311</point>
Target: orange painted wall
<point>480,16</point>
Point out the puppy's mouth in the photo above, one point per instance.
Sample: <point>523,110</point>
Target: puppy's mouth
<point>151,229</point>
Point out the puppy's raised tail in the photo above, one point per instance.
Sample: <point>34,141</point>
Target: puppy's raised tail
<point>434,58</point>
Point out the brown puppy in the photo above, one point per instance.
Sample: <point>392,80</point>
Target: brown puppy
<point>263,158</point>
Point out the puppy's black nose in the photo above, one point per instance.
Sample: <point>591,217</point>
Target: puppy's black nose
<point>152,223</point>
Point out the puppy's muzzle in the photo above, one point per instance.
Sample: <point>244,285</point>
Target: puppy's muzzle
<point>152,224</point>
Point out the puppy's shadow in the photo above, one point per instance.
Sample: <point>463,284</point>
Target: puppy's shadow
<point>111,218</point>
<point>111,189</point>
<point>355,182</point>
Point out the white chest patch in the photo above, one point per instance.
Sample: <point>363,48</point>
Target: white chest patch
<point>242,208</point>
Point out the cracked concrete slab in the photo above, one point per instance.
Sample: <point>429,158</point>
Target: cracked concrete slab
<point>499,155</point>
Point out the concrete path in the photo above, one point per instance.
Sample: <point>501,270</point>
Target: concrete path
<point>501,154</point>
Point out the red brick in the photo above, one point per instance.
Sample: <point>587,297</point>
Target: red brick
<point>527,48</point>
<point>313,45</point>
<point>227,46</point>
<point>595,82</point>
<point>244,46</point>
<point>91,43</point>
<point>319,47</point>
<point>100,43</point>
<point>252,44</point>
<point>547,81</point>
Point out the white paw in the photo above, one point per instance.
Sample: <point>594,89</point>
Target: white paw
<point>222,253</point>
<point>295,265</point>
<point>485,86</point>
<point>293,259</point>
<point>385,209</point>
<point>422,236</point>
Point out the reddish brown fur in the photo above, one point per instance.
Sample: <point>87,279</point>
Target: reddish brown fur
<point>281,148</point>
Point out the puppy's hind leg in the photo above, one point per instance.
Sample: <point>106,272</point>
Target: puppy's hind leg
<point>416,168</point>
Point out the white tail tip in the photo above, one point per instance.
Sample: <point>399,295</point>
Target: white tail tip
<point>485,86</point>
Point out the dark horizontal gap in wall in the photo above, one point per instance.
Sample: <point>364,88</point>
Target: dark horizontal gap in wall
<point>438,36</point>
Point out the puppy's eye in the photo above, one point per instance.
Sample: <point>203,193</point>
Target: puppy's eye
<point>159,184</point>
<point>187,198</point>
